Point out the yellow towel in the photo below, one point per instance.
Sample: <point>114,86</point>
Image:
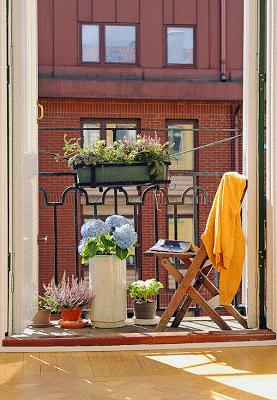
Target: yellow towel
<point>223,237</point>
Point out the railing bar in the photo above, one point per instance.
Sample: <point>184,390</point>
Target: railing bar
<point>156,235</point>
<point>76,230</point>
<point>55,244</point>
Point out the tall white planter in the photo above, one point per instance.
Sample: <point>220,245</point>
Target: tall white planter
<point>107,276</point>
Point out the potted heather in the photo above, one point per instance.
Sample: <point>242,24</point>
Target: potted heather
<point>137,161</point>
<point>105,246</point>
<point>70,296</point>
<point>143,293</point>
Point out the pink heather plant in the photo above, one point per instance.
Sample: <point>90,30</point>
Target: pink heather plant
<point>69,293</point>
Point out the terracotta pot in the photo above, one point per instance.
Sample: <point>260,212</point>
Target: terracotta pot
<point>71,314</point>
<point>145,310</point>
<point>42,318</point>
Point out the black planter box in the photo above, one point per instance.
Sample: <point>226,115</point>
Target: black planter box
<point>118,175</point>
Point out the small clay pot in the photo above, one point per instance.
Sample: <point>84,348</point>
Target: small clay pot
<point>145,310</point>
<point>71,314</point>
<point>42,318</point>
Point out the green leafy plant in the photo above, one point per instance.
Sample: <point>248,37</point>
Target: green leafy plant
<point>142,291</point>
<point>46,303</point>
<point>143,149</point>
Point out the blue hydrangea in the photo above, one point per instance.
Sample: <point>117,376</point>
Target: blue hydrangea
<point>125,236</point>
<point>94,228</point>
<point>82,243</point>
<point>116,221</point>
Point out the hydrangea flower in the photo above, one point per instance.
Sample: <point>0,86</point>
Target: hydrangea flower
<point>116,221</point>
<point>82,244</point>
<point>125,236</point>
<point>94,228</point>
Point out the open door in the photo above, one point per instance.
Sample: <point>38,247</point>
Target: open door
<point>23,163</point>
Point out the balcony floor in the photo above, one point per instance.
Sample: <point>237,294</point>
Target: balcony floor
<point>191,330</point>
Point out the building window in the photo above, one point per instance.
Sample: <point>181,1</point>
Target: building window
<point>90,43</point>
<point>180,45</point>
<point>184,228</point>
<point>120,44</point>
<point>109,131</point>
<point>108,44</point>
<point>181,137</point>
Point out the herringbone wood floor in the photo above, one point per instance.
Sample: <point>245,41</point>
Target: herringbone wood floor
<point>242,373</point>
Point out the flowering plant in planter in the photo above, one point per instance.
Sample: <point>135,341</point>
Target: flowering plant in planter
<point>70,296</point>
<point>113,237</point>
<point>69,293</point>
<point>140,160</point>
<point>142,292</point>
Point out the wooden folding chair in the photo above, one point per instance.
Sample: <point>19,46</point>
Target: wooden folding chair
<point>189,286</point>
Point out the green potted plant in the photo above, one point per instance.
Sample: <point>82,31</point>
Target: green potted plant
<point>143,294</point>
<point>105,246</point>
<point>69,297</point>
<point>127,162</point>
<point>42,318</point>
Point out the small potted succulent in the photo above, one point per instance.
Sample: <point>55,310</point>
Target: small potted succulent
<point>137,161</point>
<point>69,297</point>
<point>143,293</point>
<point>42,318</point>
<point>105,246</point>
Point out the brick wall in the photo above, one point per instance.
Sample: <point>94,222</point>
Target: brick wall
<point>60,113</point>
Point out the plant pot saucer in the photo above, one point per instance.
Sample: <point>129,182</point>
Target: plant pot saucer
<point>41,325</point>
<point>74,324</point>
<point>152,321</point>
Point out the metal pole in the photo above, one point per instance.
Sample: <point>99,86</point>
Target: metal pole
<point>261,175</point>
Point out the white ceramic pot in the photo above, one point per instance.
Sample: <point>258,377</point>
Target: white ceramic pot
<point>107,276</point>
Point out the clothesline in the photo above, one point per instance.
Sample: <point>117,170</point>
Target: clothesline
<point>175,154</point>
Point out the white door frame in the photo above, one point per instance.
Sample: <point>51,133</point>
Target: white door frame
<point>3,175</point>
<point>271,163</point>
<point>250,151</point>
<point>24,162</point>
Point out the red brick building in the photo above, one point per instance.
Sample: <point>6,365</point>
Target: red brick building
<point>170,66</point>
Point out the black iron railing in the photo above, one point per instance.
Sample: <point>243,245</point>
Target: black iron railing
<point>194,195</point>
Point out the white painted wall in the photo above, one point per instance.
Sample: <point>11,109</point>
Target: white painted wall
<point>25,161</point>
<point>250,129</point>
<point>271,182</point>
<point>3,175</point>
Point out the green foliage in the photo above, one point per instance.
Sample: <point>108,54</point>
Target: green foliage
<point>102,246</point>
<point>142,290</point>
<point>46,302</point>
<point>143,149</point>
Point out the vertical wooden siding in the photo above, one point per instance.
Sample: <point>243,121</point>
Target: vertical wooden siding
<point>59,41</point>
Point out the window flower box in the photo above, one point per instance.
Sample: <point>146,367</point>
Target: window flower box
<point>139,161</point>
<point>122,174</point>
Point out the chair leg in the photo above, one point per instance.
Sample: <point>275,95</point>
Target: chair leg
<point>208,309</point>
<point>187,280</point>
<point>229,308</point>
<point>186,304</point>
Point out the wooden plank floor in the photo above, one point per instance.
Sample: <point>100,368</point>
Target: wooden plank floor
<point>244,373</point>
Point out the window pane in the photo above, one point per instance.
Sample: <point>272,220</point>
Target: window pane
<point>120,44</point>
<point>90,43</point>
<point>180,45</point>
<point>181,136</point>
<point>122,132</point>
<point>184,228</point>
<point>90,136</point>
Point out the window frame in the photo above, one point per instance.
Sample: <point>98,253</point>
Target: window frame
<point>173,65</point>
<point>102,47</point>
<point>104,121</point>
<point>194,122</point>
